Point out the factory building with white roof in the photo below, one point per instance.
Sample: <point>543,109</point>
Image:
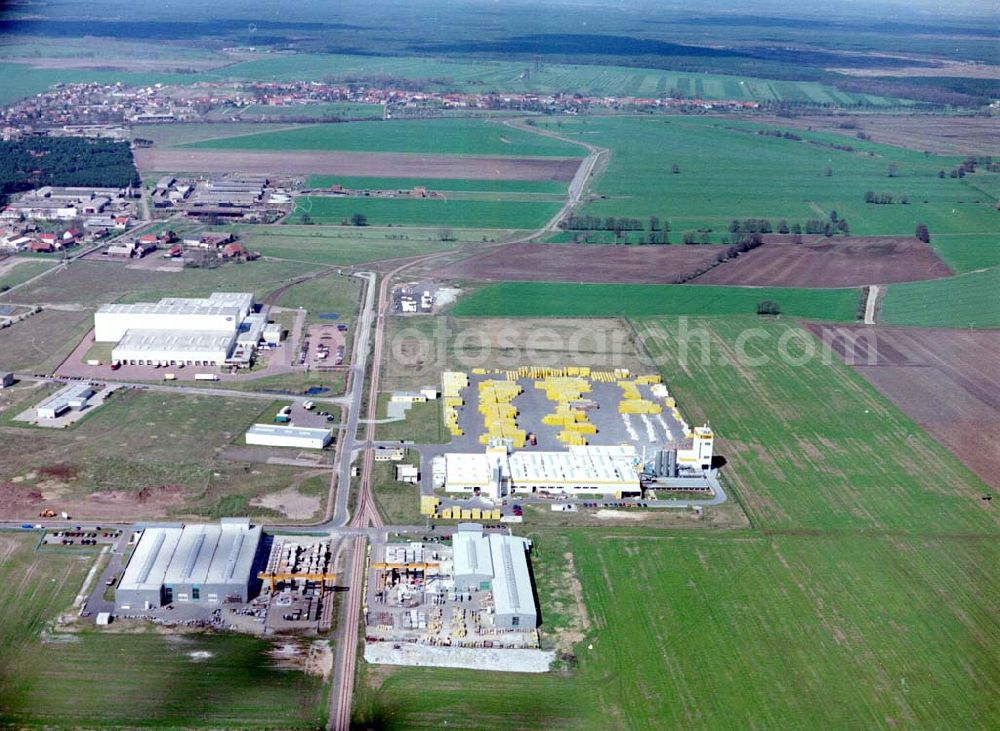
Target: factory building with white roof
<point>498,562</point>
<point>180,330</point>
<point>581,470</point>
<point>204,564</point>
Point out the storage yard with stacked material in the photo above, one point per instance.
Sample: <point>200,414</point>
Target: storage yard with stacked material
<point>477,593</point>
<point>565,431</point>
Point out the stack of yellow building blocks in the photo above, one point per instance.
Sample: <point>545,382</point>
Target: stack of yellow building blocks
<point>452,384</point>
<point>632,401</point>
<point>499,414</point>
<point>648,380</point>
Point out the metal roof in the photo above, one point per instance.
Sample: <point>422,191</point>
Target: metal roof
<point>192,554</point>
<point>196,341</point>
<point>512,593</point>
<point>279,430</point>
<point>61,398</point>
<point>471,548</point>
<point>235,304</point>
<point>581,466</point>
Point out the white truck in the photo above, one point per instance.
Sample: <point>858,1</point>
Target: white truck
<point>308,405</point>
<point>206,376</point>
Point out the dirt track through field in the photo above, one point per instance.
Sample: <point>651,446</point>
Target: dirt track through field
<point>366,164</point>
<point>833,262</point>
<point>585,263</point>
<point>945,380</point>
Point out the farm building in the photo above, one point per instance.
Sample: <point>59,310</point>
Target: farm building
<point>499,562</point>
<point>74,396</point>
<point>6,379</point>
<point>197,563</point>
<point>180,330</point>
<point>581,470</point>
<point>279,435</point>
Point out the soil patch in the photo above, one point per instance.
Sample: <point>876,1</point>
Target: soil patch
<point>586,263</point>
<point>291,502</point>
<point>368,164</point>
<point>840,262</point>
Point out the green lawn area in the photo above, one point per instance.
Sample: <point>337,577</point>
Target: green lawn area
<point>24,271</point>
<point>347,246</point>
<point>95,283</point>
<point>967,301</point>
<point>332,293</point>
<point>44,340</point>
<point>423,423</point>
<point>727,171</point>
<point>426,136</point>
<point>102,679</point>
<point>446,185</point>
<point>967,252</point>
<point>427,212</point>
<point>398,502</point>
<point>555,299</point>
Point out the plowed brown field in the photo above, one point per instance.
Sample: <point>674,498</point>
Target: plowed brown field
<point>835,262</point>
<point>586,263</point>
<point>945,380</point>
<point>367,164</point>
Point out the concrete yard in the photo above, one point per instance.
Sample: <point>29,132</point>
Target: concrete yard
<point>505,661</point>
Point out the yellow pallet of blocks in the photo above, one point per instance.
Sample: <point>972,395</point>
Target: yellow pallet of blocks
<point>649,380</point>
<point>638,406</point>
<point>630,389</point>
<point>429,504</point>
<point>571,438</point>
<point>583,427</point>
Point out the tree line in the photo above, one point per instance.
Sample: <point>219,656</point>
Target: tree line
<point>34,162</point>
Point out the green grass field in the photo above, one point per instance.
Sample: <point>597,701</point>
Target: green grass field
<point>95,283</point>
<point>332,293</point>
<point>399,504</point>
<point>558,299</point>
<point>347,246</point>
<point>811,445</point>
<point>727,171</point>
<point>446,185</point>
<point>98,679</point>
<point>489,214</point>
<point>967,301</point>
<point>44,340</point>
<point>344,110</point>
<point>423,423</point>
<point>426,136</point>
<point>510,76</point>
<point>24,271</point>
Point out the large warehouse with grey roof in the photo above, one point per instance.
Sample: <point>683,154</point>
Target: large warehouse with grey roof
<point>200,563</point>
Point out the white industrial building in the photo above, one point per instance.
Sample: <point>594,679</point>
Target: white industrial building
<point>73,396</point>
<point>280,435</point>
<point>206,564</point>
<point>499,563</point>
<point>180,330</point>
<point>699,456</point>
<point>581,470</point>
<point>158,347</point>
